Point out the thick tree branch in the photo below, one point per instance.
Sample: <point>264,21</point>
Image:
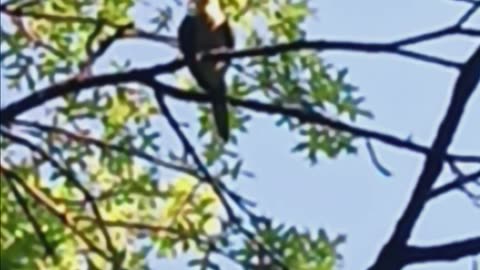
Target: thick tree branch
<point>76,84</point>
<point>9,113</point>
<point>445,252</point>
<point>392,255</point>
<point>389,47</point>
<point>471,32</point>
<point>313,118</point>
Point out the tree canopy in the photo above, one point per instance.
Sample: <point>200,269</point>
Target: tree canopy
<point>99,172</point>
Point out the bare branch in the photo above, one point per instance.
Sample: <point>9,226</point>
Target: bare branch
<point>313,118</point>
<point>76,84</point>
<point>137,33</point>
<point>459,182</point>
<point>375,161</point>
<point>214,183</point>
<point>471,32</point>
<point>470,12</point>
<point>218,186</point>
<point>446,252</point>
<point>8,113</point>
<point>391,255</point>
<point>102,47</point>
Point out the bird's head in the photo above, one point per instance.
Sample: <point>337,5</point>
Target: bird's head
<point>211,9</point>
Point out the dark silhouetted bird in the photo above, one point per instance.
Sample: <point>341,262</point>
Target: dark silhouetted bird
<point>205,29</point>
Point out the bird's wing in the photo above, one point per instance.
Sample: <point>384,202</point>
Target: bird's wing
<point>228,35</point>
<point>186,38</point>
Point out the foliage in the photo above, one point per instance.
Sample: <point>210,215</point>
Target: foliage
<point>92,170</point>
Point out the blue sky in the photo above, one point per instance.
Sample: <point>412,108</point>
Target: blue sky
<point>408,98</point>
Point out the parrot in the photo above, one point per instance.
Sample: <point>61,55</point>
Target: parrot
<point>205,29</point>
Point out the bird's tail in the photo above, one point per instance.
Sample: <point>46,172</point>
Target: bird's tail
<point>220,112</point>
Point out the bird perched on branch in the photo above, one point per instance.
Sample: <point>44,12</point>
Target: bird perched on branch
<point>205,29</point>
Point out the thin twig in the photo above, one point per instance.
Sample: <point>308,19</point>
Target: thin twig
<point>458,182</point>
<point>106,146</point>
<point>215,183</point>
<point>375,161</point>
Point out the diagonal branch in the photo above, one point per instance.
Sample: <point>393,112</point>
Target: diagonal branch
<point>470,12</point>
<point>103,45</point>
<point>49,249</point>
<point>313,118</point>
<point>70,176</point>
<point>76,85</point>
<point>51,208</point>
<point>219,187</point>
<point>459,182</point>
<point>449,30</point>
<point>391,257</point>
<point>214,183</point>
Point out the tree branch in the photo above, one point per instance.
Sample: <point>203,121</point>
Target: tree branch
<point>70,176</point>
<point>218,186</point>
<point>459,182</point>
<point>9,113</point>
<point>311,117</point>
<point>20,12</point>
<point>446,252</point>
<point>51,208</point>
<point>392,255</point>
<point>103,145</point>
<point>214,183</point>
<point>49,249</point>
<point>76,84</point>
